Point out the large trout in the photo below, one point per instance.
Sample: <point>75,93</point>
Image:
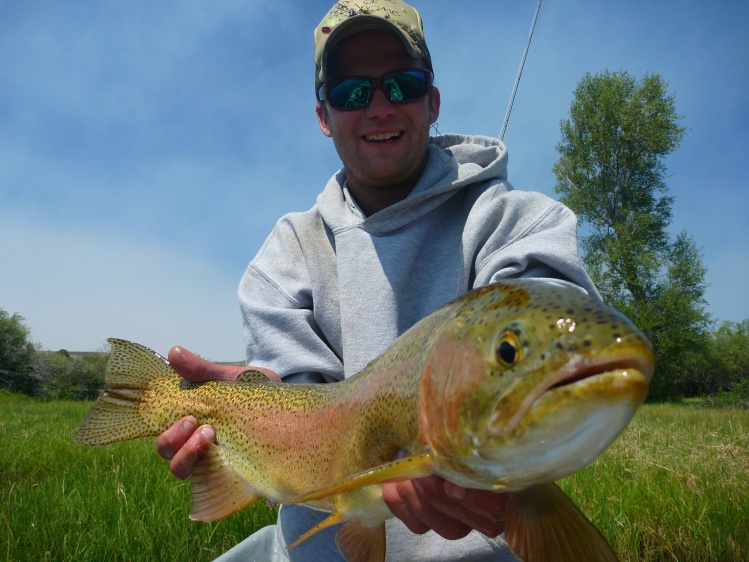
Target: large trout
<point>508,388</point>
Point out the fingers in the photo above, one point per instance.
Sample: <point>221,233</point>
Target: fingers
<point>196,369</point>
<point>183,444</point>
<point>483,505</point>
<point>486,509</point>
<point>170,441</point>
<point>184,459</point>
<point>451,511</point>
<point>416,503</point>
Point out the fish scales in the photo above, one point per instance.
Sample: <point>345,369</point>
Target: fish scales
<point>510,387</point>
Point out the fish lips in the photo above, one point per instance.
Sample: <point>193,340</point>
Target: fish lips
<point>584,368</point>
<point>567,422</point>
<point>579,378</point>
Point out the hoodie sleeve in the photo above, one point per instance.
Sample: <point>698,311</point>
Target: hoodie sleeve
<point>533,236</point>
<point>280,328</point>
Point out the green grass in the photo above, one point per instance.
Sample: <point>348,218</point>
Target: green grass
<point>674,487</point>
<point>62,501</point>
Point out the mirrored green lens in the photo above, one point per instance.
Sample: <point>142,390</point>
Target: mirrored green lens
<point>356,92</point>
<point>350,94</point>
<point>405,86</point>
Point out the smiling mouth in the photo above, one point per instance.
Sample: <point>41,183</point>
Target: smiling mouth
<point>383,137</point>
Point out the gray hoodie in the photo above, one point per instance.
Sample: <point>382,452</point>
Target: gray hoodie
<point>331,288</point>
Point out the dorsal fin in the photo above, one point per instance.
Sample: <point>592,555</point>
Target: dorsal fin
<point>251,375</point>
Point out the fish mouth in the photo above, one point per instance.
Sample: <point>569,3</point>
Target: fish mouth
<point>587,368</point>
<point>565,422</point>
<point>613,377</point>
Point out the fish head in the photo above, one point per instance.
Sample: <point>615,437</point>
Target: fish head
<point>528,383</point>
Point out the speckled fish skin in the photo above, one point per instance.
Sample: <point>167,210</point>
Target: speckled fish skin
<point>512,385</point>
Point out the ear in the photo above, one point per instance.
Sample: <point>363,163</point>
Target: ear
<point>323,118</point>
<point>434,105</point>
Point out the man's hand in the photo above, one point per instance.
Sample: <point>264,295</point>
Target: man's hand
<point>185,442</point>
<point>450,510</point>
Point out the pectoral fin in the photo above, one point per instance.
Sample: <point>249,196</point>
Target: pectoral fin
<point>359,543</point>
<point>333,519</point>
<point>217,490</point>
<point>414,466</point>
<point>542,523</point>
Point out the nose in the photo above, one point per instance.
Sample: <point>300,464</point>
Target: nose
<point>380,106</point>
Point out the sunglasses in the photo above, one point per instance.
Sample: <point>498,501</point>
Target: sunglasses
<point>355,92</point>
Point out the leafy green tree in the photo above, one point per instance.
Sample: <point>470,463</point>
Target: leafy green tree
<point>70,378</point>
<point>16,354</point>
<point>731,342</point>
<point>52,369</point>
<point>88,376</point>
<point>611,173</point>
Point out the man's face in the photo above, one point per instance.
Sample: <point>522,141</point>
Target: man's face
<point>382,146</point>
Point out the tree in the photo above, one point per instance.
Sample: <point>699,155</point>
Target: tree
<point>16,354</point>
<point>611,173</point>
<point>52,370</point>
<point>69,378</point>
<point>731,342</point>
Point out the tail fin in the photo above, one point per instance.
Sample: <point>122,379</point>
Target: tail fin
<point>115,415</point>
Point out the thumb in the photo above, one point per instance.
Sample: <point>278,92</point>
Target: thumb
<point>196,369</point>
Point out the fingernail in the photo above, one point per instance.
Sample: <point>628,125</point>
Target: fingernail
<point>188,427</point>
<point>207,432</point>
<point>457,492</point>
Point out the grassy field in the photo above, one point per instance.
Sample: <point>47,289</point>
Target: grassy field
<point>62,501</point>
<point>675,486</point>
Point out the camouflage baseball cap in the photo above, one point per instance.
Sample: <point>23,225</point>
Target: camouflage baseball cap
<point>352,16</point>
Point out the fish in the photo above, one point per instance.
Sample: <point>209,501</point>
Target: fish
<point>510,387</point>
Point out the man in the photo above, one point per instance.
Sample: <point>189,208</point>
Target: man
<point>406,225</point>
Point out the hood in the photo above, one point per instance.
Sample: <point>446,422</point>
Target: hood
<point>454,162</point>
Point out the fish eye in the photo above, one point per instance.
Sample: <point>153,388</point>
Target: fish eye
<point>508,351</point>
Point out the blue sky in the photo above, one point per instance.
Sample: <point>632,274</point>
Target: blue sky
<point>147,148</point>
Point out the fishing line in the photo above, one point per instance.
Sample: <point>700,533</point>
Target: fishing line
<point>520,72</point>
<point>441,143</point>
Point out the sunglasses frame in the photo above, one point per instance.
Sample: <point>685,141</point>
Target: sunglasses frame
<point>375,84</point>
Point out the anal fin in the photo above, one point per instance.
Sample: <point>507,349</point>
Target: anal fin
<point>542,523</point>
<point>414,466</point>
<point>217,490</point>
<point>359,543</point>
